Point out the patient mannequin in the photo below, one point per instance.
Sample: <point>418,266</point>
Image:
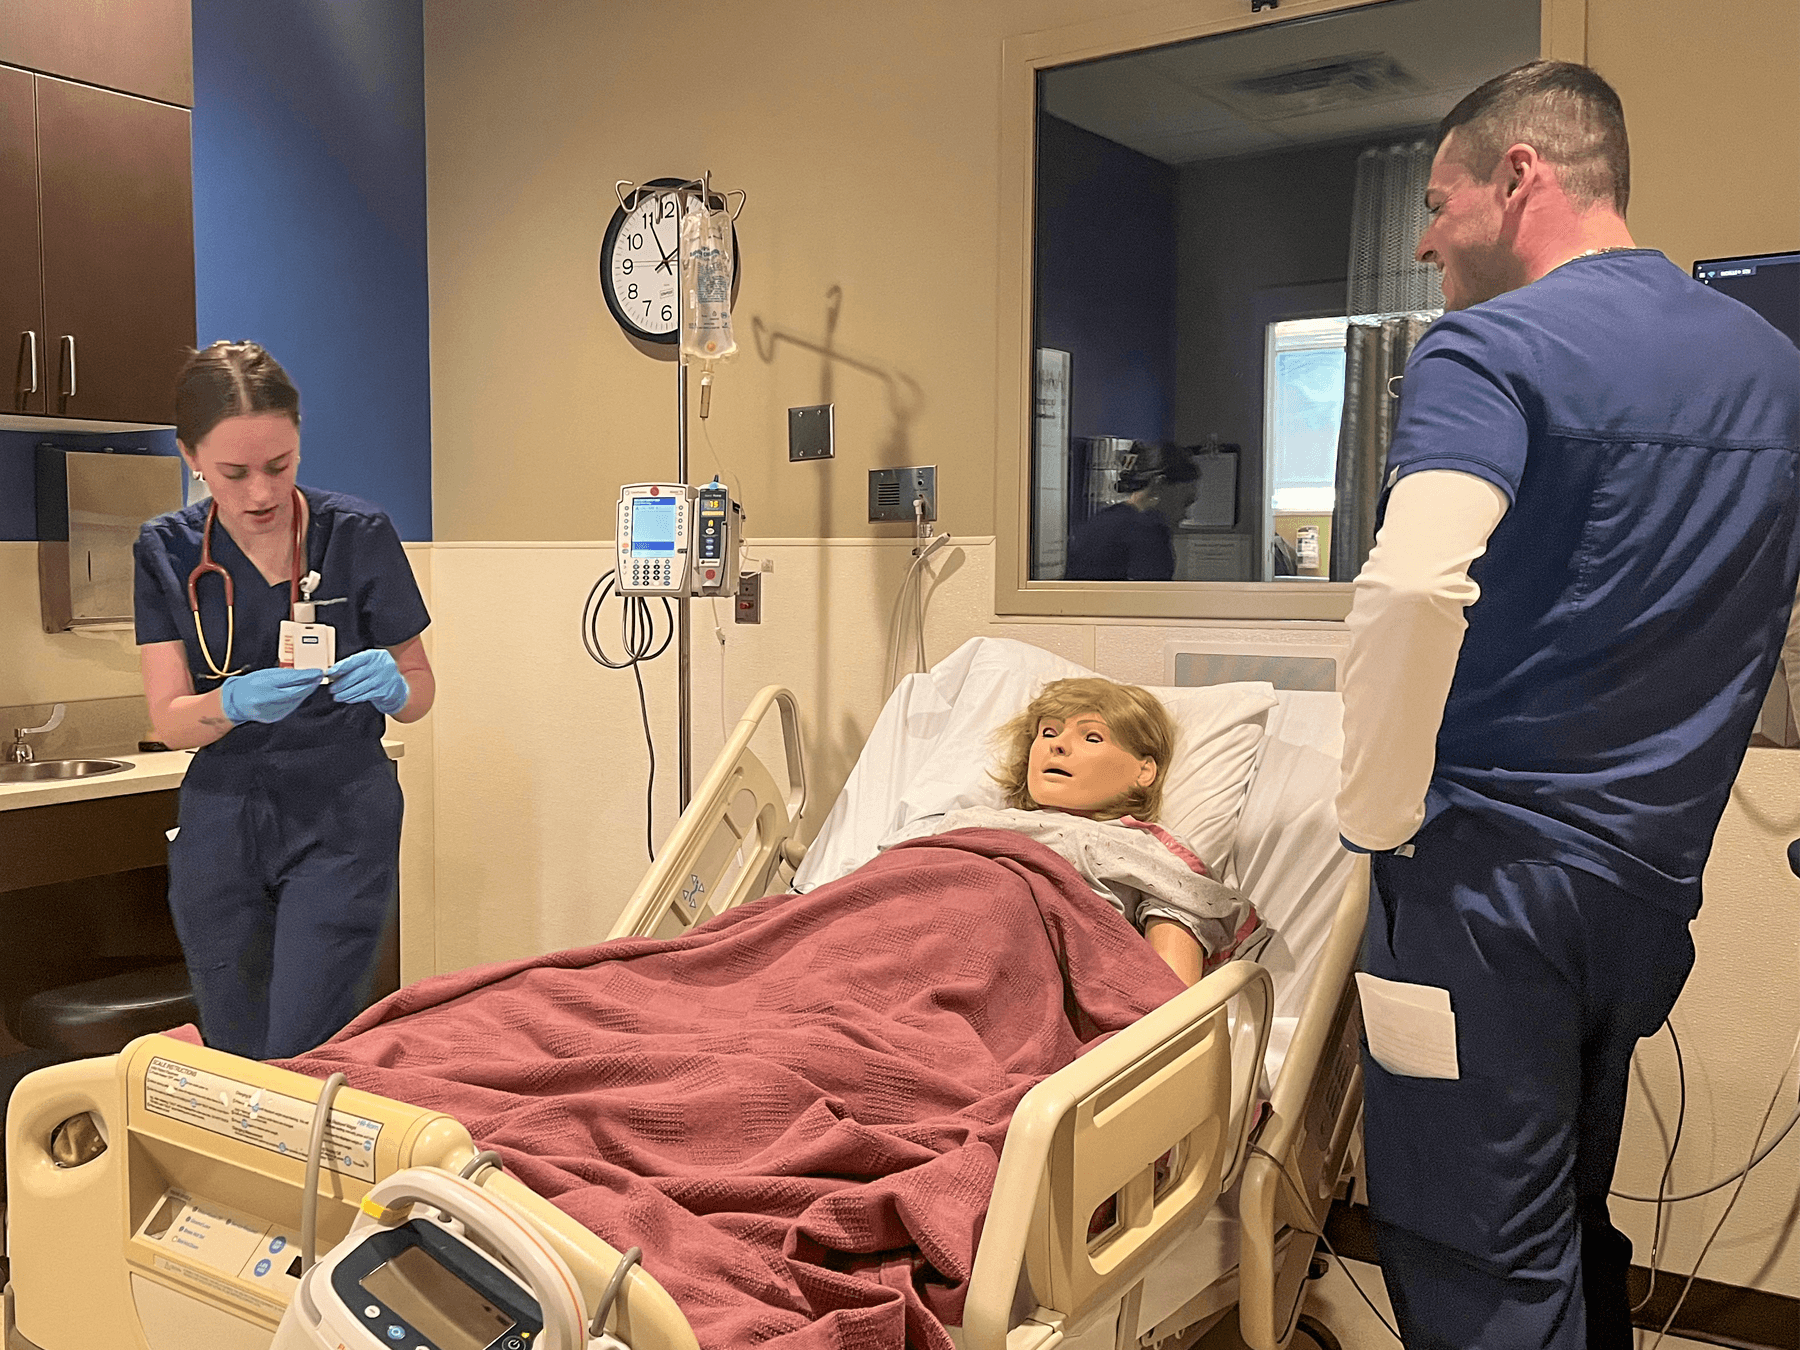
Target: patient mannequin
<point>1093,748</point>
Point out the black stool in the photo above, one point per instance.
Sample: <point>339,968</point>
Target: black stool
<point>101,1017</point>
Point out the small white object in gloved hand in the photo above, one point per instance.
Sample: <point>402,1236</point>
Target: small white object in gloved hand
<point>371,676</point>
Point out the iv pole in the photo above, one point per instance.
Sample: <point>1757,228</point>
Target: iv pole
<point>684,697</point>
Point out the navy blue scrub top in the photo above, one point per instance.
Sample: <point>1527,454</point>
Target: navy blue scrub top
<point>1646,430</point>
<point>366,592</point>
<point>1122,543</point>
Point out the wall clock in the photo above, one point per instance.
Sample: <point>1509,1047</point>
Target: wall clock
<point>637,262</point>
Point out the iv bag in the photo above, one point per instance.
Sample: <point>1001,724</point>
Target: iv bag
<point>706,267</point>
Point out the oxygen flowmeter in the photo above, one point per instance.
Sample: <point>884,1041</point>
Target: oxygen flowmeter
<point>676,540</point>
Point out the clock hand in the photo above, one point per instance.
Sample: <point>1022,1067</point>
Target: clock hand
<point>662,266</point>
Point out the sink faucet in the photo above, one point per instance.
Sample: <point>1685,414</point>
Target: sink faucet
<point>20,752</point>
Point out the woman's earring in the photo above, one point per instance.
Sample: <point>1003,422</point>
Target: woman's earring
<point>197,477</point>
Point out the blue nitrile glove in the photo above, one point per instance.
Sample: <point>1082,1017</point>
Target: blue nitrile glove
<point>266,695</point>
<point>370,677</point>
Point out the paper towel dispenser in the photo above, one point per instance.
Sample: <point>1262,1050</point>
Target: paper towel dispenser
<point>90,505</point>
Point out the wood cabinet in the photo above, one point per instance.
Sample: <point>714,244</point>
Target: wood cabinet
<point>21,289</point>
<point>116,195</point>
<point>105,184</point>
<point>135,46</point>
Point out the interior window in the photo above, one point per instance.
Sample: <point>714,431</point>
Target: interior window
<point>1224,285</point>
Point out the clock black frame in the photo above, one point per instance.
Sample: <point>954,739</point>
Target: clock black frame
<point>620,214</point>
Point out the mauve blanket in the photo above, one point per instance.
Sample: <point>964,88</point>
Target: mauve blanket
<point>796,1109</point>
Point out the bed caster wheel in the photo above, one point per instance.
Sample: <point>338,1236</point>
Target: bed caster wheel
<point>1311,1334</point>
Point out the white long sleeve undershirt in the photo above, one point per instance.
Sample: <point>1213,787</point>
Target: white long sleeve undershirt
<point>1407,626</point>
<point>1406,630</point>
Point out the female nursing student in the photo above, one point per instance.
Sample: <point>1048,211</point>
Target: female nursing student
<point>282,873</point>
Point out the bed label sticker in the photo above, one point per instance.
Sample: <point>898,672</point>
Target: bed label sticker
<point>253,1115</point>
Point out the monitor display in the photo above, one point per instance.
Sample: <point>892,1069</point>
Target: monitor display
<point>653,525</point>
<point>437,1302</point>
<point>1769,283</point>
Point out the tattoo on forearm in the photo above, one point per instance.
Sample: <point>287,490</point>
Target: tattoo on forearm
<point>216,722</point>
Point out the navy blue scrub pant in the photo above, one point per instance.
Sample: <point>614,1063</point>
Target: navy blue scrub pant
<point>282,881</point>
<point>1488,1191</point>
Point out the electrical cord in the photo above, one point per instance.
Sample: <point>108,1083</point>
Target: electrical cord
<point>631,1258</point>
<point>1743,1179</point>
<point>1343,1265</point>
<point>1759,1151</point>
<point>638,635</point>
<point>315,1151</point>
<point>1662,1186</point>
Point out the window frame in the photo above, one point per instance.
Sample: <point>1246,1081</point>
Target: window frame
<point>1562,36</point>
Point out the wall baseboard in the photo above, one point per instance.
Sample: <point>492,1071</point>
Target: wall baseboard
<point>1718,1314</point>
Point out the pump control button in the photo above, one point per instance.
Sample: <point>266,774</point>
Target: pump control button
<point>373,1310</point>
<point>396,1332</point>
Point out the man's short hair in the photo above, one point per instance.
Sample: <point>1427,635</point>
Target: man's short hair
<point>1565,112</point>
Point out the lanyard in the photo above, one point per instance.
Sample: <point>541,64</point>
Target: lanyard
<point>208,565</point>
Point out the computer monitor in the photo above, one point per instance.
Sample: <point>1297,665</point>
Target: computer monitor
<point>1767,282</point>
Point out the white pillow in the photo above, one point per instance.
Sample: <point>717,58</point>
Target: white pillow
<point>932,750</point>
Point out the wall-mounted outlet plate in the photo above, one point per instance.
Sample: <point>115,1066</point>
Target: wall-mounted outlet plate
<point>812,433</point>
<point>892,491</point>
<point>748,606</point>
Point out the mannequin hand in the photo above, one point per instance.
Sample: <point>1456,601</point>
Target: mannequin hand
<point>266,695</point>
<point>370,677</point>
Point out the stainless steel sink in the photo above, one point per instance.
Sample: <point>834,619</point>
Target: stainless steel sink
<point>50,770</point>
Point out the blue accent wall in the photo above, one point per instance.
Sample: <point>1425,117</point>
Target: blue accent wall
<point>309,227</point>
<point>1106,248</point>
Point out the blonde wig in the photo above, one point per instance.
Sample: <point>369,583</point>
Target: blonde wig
<point>1135,717</point>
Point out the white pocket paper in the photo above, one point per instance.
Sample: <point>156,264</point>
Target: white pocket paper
<point>1411,1029</point>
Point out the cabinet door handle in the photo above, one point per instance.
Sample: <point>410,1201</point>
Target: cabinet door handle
<point>69,385</point>
<point>29,342</point>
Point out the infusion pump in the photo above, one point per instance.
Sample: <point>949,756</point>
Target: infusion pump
<point>678,540</point>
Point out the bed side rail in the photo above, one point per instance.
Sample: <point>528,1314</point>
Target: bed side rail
<point>1291,1177</point>
<point>735,836</point>
<point>1093,1137</point>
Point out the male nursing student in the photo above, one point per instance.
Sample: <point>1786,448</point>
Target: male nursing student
<point>283,870</point>
<point>1597,458</point>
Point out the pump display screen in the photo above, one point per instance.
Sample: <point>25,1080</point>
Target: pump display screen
<point>436,1301</point>
<point>652,524</point>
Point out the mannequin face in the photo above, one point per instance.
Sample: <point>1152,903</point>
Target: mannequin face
<point>249,464</point>
<point>1076,765</point>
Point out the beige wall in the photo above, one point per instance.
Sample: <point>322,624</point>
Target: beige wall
<point>40,667</point>
<point>1712,102</point>
<point>867,138</point>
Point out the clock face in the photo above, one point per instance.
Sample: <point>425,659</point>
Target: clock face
<point>638,265</point>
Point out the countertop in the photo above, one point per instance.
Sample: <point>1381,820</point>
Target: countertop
<point>148,773</point>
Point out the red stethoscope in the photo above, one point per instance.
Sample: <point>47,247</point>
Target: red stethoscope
<point>208,565</point>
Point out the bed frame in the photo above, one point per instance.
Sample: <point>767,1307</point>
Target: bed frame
<point>1157,1119</point>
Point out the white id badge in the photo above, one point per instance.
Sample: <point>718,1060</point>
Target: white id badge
<point>308,646</point>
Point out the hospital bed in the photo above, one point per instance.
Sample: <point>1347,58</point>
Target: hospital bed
<point>153,1234</point>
